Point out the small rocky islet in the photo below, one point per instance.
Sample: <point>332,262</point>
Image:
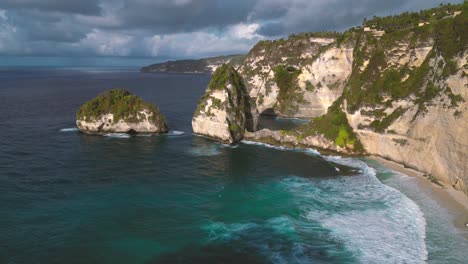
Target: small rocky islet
<point>119,111</point>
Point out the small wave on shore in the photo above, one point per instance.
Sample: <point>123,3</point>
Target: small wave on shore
<point>175,133</point>
<point>70,129</point>
<point>117,135</point>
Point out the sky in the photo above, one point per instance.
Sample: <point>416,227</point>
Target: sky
<point>173,28</point>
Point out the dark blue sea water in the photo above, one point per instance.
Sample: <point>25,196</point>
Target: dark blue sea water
<point>67,197</point>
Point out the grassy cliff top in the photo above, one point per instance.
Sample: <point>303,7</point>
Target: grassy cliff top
<point>122,104</point>
<point>222,76</point>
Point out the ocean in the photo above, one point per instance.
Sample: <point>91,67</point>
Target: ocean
<point>68,197</point>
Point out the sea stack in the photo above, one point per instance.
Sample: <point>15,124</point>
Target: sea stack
<point>119,111</point>
<point>225,111</point>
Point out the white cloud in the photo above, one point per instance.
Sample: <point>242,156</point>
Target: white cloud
<point>3,14</point>
<point>236,39</point>
<point>9,42</point>
<point>174,28</point>
<point>108,43</point>
<point>181,2</point>
<point>244,31</point>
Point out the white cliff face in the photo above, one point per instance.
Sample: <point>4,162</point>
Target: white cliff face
<point>105,124</point>
<point>402,53</point>
<point>327,74</point>
<point>224,112</point>
<point>212,121</point>
<point>435,142</point>
<point>320,83</point>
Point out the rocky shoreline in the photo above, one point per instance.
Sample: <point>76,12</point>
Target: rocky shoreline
<point>401,94</point>
<point>118,111</point>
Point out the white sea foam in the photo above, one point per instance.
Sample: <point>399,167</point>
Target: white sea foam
<point>274,231</point>
<point>295,119</point>
<point>264,145</point>
<point>304,150</point>
<point>175,133</point>
<point>117,135</point>
<point>375,222</point>
<point>204,151</point>
<point>222,231</point>
<point>71,129</point>
<point>229,146</point>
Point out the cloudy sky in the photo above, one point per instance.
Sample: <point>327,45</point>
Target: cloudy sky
<point>173,28</point>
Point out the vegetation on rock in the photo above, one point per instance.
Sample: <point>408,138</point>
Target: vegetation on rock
<point>289,92</point>
<point>335,127</point>
<point>122,105</point>
<point>380,80</point>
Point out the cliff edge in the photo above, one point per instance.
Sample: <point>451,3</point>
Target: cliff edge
<point>397,87</point>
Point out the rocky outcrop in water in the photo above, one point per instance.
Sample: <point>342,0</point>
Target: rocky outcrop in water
<point>396,88</point>
<point>225,111</point>
<point>119,111</point>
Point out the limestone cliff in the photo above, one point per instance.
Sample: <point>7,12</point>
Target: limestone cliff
<point>118,111</point>
<point>225,111</point>
<point>396,87</point>
<point>407,98</point>
<point>300,76</point>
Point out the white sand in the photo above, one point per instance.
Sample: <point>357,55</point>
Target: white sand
<point>456,202</point>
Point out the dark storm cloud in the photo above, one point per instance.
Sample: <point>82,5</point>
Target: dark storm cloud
<point>87,7</point>
<point>330,15</point>
<point>183,16</point>
<point>40,26</point>
<point>174,27</point>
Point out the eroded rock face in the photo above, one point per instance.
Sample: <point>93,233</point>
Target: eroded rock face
<point>225,111</point>
<point>118,111</point>
<point>400,94</point>
<point>318,67</point>
<point>435,141</point>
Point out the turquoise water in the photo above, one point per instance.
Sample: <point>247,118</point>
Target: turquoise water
<point>66,197</point>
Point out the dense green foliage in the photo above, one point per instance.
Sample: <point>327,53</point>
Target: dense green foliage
<point>452,34</point>
<point>289,91</point>
<point>335,127</point>
<point>122,104</point>
<point>221,78</point>
<point>369,86</point>
<point>222,75</point>
<point>381,125</point>
<point>411,19</point>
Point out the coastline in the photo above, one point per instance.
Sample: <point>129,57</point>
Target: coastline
<point>454,201</point>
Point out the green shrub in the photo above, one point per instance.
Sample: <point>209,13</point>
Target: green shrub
<point>380,125</point>
<point>234,127</point>
<point>122,104</point>
<point>335,127</point>
<point>309,86</point>
<point>286,79</point>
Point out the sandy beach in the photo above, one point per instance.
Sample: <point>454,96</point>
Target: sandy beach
<point>456,202</point>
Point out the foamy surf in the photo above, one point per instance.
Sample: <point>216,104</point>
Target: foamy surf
<point>376,222</point>
<point>175,133</point>
<point>71,129</point>
<point>265,145</point>
<point>266,237</point>
<point>294,119</point>
<point>304,150</point>
<point>117,135</point>
<point>204,151</point>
